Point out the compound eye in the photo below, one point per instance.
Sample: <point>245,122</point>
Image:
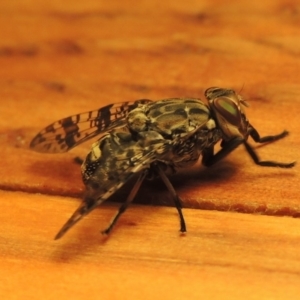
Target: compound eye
<point>228,109</point>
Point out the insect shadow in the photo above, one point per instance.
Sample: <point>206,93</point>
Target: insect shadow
<point>85,240</point>
<point>72,249</point>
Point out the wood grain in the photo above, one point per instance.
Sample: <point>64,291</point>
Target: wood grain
<point>230,254</point>
<point>61,58</point>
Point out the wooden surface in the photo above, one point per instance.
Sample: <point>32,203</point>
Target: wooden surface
<point>223,255</point>
<point>60,58</point>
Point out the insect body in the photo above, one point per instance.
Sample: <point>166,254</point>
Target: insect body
<point>149,138</point>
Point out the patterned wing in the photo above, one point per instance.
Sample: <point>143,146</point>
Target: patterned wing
<point>114,159</point>
<point>69,132</point>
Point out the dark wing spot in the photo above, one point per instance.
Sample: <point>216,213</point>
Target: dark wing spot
<point>71,129</point>
<point>104,117</point>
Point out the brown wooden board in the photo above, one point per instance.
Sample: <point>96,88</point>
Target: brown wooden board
<point>60,58</point>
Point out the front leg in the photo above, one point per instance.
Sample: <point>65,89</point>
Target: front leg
<point>266,163</point>
<point>209,158</point>
<point>269,138</point>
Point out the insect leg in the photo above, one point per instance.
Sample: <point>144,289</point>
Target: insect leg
<point>256,160</point>
<point>209,158</point>
<point>129,199</point>
<point>269,138</point>
<point>176,198</point>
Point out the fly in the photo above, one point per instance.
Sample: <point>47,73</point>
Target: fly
<point>149,138</point>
